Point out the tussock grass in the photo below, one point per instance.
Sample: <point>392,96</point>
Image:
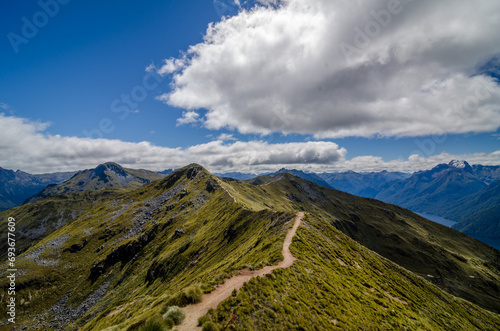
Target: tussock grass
<point>318,293</point>
<point>176,314</point>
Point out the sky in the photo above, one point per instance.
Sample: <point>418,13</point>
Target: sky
<point>249,86</point>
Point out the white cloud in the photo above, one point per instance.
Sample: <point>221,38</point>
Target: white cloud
<point>226,136</point>
<point>414,162</point>
<point>25,145</point>
<point>412,72</point>
<point>4,106</point>
<point>188,117</point>
<point>256,156</point>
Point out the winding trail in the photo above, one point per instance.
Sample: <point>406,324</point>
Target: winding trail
<point>212,299</point>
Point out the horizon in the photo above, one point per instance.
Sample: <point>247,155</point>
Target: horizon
<point>249,86</point>
<point>244,173</point>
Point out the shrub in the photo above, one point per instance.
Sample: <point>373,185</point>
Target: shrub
<point>153,326</point>
<point>169,323</point>
<point>209,326</point>
<point>202,320</point>
<point>136,326</point>
<point>193,294</point>
<point>176,314</point>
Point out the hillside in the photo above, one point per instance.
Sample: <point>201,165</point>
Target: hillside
<point>484,223</point>
<point>478,214</point>
<point>17,186</point>
<point>422,246</point>
<point>312,177</point>
<point>434,190</point>
<point>105,176</point>
<point>483,199</point>
<point>37,220</point>
<point>365,185</point>
<point>129,257</point>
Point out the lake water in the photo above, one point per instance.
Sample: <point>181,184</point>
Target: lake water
<point>438,219</point>
<point>449,223</point>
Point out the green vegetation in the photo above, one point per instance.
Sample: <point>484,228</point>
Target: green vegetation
<point>209,326</point>
<point>133,254</point>
<point>153,326</point>
<point>422,246</point>
<point>338,284</point>
<point>37,220</point>
<point>176,314</point>
<point>148,246</point>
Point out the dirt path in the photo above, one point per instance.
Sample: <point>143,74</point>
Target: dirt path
<point>212,300</point>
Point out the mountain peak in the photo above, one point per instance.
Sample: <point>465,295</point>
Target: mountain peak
<point>459,164</point>
<point>110,166</point>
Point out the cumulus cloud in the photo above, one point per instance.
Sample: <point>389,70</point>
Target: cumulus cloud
<point>226,136</point>
<point>188,117</point>
<point>413,163</point>
<point>345,68</point>
<point>258,155</point>
<point>25,145</point>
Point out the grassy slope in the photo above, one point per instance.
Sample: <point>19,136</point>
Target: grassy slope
<point>36,220</point>
<point>338,284</point>
<point>152,267</point>
<point>148,272</point>
<point>422,246</point>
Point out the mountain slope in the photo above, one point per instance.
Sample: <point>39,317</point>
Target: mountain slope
<point>127,259</point>
<point>17,186</point>
<point>301,174</point>
<point>37,220</point>
<point>337,284</point>
<point>484,223</point>
<point>434,190</point>
<point>156,240</point>
<point>422,246</point>
<point>485,198</point>
<point>478,213</point>
<point>104,176</point>
<point>236,175</point>
<point>362,184</point>
<point>269,177</point>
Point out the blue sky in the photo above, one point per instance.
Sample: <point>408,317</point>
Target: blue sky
<point>83,75</point>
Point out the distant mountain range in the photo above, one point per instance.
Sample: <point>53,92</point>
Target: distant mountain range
<point>457,191</point>
<point>434,190</point>
<point>478,214</point>
<point>105,176</point>
<point>16,186</point>
<point>365,184</point>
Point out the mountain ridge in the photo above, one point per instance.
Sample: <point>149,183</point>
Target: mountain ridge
<point>108,175</point>
<point>129,258</point>
<point>17,186</point>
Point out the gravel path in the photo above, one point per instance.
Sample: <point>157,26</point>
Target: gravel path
<point>212,300</point>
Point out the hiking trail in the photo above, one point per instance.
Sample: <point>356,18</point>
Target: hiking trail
<point>222,292</point>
